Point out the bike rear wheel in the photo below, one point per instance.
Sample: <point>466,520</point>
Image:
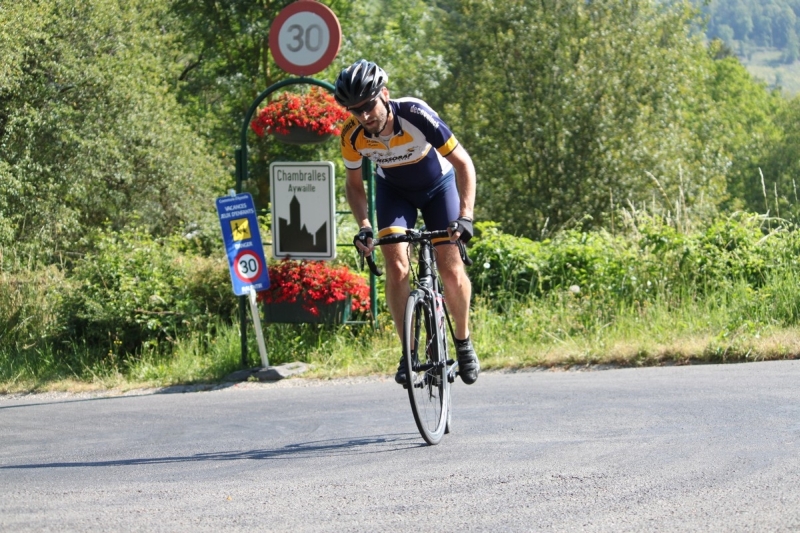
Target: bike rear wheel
<point>426,368</point>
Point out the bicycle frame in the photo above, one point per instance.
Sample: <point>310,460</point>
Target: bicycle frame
<point>429,369</point>
<point>427,279</point>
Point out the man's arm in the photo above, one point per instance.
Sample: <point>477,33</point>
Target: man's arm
<point>357,199</point>
<point>465,180</point>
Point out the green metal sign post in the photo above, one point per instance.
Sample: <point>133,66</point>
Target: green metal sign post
<point>242,175</point>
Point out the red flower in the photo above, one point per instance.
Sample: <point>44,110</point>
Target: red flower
<point>315,110</point>
<point>316,282</point>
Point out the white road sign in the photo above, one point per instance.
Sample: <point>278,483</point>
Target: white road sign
<point>303,210</point>
<point>305,37</point>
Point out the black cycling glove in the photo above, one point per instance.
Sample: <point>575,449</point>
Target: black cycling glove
<point>463,225</point>
<point>363,234</point>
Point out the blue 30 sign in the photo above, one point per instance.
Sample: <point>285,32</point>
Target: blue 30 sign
<point>237,218</point>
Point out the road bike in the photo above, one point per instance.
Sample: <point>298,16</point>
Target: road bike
<point>426,349</point>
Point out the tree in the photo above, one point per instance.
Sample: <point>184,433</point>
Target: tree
<point>741,115</point>
<point>569,109</point>
<point>780,167</point>
<point>91,132</point>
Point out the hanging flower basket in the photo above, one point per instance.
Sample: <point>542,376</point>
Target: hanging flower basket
<point>298,135</point>
<point>313,292</point>
<point>307,118</point>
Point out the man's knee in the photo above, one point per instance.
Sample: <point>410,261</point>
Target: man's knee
<point>396,272</point>
<point>454,272</point>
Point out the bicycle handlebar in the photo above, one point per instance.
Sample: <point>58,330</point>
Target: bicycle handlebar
<point>412,236</point>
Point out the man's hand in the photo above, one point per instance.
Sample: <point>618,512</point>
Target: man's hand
<point>461,229</point>
<point>363,240</point>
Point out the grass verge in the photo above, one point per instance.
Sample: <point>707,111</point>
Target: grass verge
<point>562,330</point>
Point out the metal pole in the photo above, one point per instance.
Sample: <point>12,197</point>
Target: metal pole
<point>368,176</point>
<point>242,304</point>
<point>262,346</point>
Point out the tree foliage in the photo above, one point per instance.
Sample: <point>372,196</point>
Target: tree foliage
<point>572,108</point>
<point>569,109</point>
<point>90,129</point>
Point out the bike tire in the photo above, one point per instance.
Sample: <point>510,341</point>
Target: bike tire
<point>446,356</point>
<point>428,388</point>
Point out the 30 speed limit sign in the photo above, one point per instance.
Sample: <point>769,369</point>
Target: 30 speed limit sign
<point>248,266</point>
<point>239,224</point>
<point>305,37</point>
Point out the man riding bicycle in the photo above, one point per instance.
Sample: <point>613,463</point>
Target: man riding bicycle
<point>421,166</point>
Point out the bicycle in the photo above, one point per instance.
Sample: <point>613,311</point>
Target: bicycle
<point>429,369</point>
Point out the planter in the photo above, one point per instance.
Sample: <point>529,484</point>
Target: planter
<point>298,135</point>
<point>293,313</point>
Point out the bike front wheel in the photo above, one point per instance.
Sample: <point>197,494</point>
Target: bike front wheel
<point>426,368</point>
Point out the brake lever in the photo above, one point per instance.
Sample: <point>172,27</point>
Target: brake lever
<point>374,268</point>
<point>462,251</point>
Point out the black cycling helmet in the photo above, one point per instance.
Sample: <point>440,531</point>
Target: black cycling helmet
<point>362,80</point>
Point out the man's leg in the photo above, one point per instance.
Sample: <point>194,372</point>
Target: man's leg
<point>457,287</point>
<point>397,282</point>
<point>457,293</point>
<point>397,290</point>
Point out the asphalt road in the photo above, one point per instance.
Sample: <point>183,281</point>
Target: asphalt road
<point>696,448</point>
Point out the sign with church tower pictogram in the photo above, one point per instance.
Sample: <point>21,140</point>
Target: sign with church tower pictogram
<point>303,210</point>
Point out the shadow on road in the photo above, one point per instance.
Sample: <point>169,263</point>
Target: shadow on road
<point>320,448</point>
<point>176,389</point>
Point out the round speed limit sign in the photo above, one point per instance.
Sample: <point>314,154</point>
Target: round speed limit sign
<point>247,266</point>
<point>305,37</point>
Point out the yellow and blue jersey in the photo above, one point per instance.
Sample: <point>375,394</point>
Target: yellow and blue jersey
<point>414,157</point>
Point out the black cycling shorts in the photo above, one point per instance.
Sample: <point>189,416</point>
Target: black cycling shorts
<point>397,208</point>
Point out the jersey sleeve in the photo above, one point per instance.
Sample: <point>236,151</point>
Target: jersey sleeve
<point>351,157</point>
<point>427,120</point>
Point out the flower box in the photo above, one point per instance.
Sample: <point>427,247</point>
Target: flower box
<point>297,313</point>
<point>300,118</point>
<point>313,292</point>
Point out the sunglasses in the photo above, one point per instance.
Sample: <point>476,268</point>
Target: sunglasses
<point>365,108</point>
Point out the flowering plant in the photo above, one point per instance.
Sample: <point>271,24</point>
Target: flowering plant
<point>315,282</point>
<point>315,110</point>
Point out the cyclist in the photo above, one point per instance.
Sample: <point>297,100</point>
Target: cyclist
<point>420,165</point>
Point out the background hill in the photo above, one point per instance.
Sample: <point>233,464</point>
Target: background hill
<point>763,34</point>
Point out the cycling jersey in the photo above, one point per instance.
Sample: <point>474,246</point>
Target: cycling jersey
<point>406,160</point>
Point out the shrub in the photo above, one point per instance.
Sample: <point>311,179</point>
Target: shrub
<point>651,260</point>
<point>28,308</point>
<point>135,292</point>
<point>505,265</point>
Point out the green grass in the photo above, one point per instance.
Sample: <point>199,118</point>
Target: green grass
<point>562,330</point>
<point>656,296</point>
